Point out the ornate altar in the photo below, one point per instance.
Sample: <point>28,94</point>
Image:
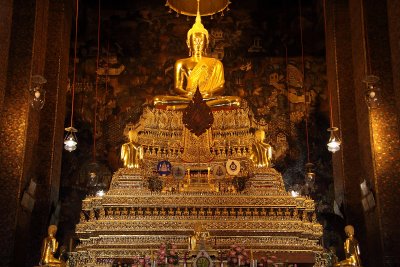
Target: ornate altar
<point>200,192</point>
<point>131,220</point>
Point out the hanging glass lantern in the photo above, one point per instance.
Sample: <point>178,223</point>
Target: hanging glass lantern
<point>372,92</point>
<point>334,141</point>
<point>97,177</point>
<point>37,92</point>
<point>310,174</point>
<point>70,140</point>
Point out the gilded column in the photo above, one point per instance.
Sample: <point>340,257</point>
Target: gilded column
<point>347,166</point>
<point>51,126</point>
<point>384,126</point>
<point>5,31</point>
<point>15,133</point>
<point>358,44</point>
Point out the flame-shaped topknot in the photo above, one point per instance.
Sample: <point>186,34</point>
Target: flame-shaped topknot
<point>197,27</point>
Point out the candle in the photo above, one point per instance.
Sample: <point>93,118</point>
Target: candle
<point>239,261</point>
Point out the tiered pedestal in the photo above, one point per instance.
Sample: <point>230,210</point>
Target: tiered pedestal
<point>132,221</point>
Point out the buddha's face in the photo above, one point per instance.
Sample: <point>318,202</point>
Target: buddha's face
<point>260,135</point>
<point>132,136</point>
<point>198,43</point>
<point>52,230</point>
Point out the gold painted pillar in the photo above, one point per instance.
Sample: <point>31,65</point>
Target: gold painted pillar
<point>16,136</point>
<point>51,126</point>
<point>5,31</point>
<point>347,165</point>
<point>31,141</point>
<point>370,139</point>
<point>385,128</point>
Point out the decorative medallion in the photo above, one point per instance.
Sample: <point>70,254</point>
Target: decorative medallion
<point>233,167</point>
<point>203,260</point>
<point>219,172</point>
<point>178,172</point>
<point>164,168</point>
<point>197,116</point>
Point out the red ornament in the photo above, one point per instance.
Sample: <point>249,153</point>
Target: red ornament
<point>197,116</point>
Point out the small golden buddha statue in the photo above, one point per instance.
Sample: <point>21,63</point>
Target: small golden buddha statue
<point>162,212</point>
<point>209,212</point>
<point>186,212</point>
<point>263,212</point>
<point>271,212</point>
<point>200,237</point>
<point>248,212</point>
<point>82,217</point>
<point>207,73</point>
<point>218,212</point>
<point>240,212</point>
<point>49,248</point>
<point>147,212</point>
<point>124,211</point>
<point>351,249</point>
<point>171,212</point>
<point>202,212</point>
<point>279,213</point>
<point>225,212</point>
<point>287,213</point>
<point>117,212</point>
<point>261,154</point>
<point>139,212</point>
<point>132,152</point>
<point>178,212</point>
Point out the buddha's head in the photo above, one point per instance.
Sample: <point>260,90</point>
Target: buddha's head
<point>260,135</point>
<point>349,230</point>
<point>197,37</point>
<point>133,136</point>
<point>52,230</point>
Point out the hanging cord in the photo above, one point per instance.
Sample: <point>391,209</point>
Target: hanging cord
<point>329,89</point>
<point>97,84</point>
<point>367,56</point>
<point>74,74</point>
<point>304,87</point>
<point>107,64</point>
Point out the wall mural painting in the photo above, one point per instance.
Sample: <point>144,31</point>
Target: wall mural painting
<point>138,50</point>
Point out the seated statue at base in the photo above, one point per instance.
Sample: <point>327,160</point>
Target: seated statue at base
<point>49,248</point>
<point>351,249</point>
<point>132,152</point>
<point>197,71</point>
<point>261,154</point>
<point>199,241</point>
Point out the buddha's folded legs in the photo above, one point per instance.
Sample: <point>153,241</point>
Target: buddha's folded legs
<point>179,102</point>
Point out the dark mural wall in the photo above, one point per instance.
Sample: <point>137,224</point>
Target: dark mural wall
<point>259,43</point>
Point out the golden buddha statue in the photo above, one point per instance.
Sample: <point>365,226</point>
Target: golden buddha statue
<point>351,249</point>
<point>49,248</point>
<point>197,70</point>
<point>139,212</point>
<point>132,152</point>
<point>200,237</point>
<point>261,153</point>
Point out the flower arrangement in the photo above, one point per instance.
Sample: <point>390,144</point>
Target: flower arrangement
<point>267,261</point>
<point>167,255</point>
<point>141,261</point>
<point>238,256</point>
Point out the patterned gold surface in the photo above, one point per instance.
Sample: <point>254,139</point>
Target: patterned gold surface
<point>131,220</point>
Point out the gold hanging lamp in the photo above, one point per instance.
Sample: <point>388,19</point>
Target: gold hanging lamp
<point>206,8</point>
